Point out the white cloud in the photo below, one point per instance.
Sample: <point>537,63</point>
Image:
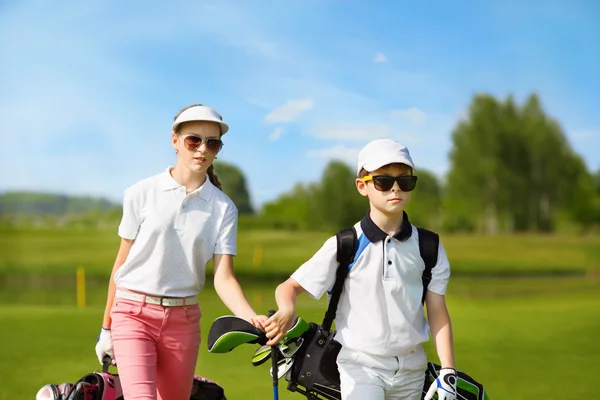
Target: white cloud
<point>349,132</point>
<point>414,115</point>
<point>380,58</point>
<point>338,152</point>
<point>276,134</point>
<point>585,134</point>
<point>290,111</point>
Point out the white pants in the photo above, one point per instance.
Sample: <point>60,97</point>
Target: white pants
<point>369,377</point>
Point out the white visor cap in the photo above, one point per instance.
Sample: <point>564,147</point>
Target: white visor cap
<point>382,152</point>
<point>200,113</point>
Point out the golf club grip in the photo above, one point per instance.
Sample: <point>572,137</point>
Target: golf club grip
<point>274,360</point>
<point>106,361</point>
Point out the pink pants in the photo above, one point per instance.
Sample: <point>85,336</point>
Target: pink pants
<point>156,349</point>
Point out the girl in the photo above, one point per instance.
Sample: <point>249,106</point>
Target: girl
<point>172,224</point>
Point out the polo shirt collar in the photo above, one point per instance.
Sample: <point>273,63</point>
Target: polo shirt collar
<point>375,234</point>
<point>167,182</point>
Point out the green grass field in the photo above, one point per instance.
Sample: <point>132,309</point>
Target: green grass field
<point>60,252</point>
<point>520,347</point>
<point>525,309</point>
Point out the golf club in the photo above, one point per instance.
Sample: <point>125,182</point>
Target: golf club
<point>283,366</point>
<point>274,366</point>
<point>261,355</point>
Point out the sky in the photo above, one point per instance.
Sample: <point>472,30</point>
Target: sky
<point>88,90</point>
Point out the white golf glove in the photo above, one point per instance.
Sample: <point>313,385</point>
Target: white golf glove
<point>444,385</point>
<point>104,346</point>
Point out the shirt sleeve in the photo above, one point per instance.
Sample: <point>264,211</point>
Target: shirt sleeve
<point>440,274</point>
<point>130,221</point>
<point>317,275</point>
<point>227,237</point>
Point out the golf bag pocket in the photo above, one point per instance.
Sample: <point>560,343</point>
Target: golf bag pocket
<point>106,386</point>
<point>97,386</point>
<point>205,389</point>
<point>315,372</point>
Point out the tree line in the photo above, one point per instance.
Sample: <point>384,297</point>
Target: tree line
<point>511,169</point>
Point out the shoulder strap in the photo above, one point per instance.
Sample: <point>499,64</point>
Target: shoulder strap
<point>346,247</point>
<point>428,247</point>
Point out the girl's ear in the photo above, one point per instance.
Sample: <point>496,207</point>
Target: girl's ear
<point>175,141</point>
<point>361,186</point>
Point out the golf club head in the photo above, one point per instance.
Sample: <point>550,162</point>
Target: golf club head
<point>283,366</point>
<point>298,328</point>
<point>261,355</point>
<point>290,347</point>
<point>228,332</point>
<point>65,389</point>
<point>48,392</point>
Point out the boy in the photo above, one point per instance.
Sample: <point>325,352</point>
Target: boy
<point>380,320</point>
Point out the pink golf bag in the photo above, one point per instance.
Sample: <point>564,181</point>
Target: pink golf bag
<point>106,386</point>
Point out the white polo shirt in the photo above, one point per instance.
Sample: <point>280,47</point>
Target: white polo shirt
<point>175,235</point>
<point>380,310</point>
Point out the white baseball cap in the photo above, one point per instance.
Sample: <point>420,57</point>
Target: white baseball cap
<point>200,113</point>
<point>382,152</point>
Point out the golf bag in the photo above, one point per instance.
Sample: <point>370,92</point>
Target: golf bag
<point>106,386</point>
<point>314,372</point>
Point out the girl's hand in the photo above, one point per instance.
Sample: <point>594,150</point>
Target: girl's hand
<point>259,321</point>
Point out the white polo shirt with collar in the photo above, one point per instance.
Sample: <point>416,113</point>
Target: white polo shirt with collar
<point>380,311</point>
<point>175,235</point>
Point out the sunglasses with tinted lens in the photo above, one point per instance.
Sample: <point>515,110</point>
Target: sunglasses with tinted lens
<point>193,143</point>
<point>383,183</point>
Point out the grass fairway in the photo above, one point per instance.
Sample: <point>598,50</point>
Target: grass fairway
<point>60,252</point>
<point>521,344</point>
<point>526,310</point>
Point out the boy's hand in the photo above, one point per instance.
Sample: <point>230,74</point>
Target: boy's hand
<point>444,385</point>
<point>278,324</point>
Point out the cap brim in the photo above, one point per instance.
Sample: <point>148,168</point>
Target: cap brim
<point>229,332</point>
<point>375,165</point>
<point>223,125</point>
<point>200,113</point>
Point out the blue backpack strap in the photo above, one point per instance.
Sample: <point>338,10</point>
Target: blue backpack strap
<point>346,248</point>
<point>428,247</point>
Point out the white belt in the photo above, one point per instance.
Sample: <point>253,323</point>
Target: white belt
<point>161,301</point>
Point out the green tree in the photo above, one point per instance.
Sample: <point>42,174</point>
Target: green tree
<point>553,169</point>
<point>330,204</point>
<point>295,209</point>
<point>511,168</point>
<point>339,203</point>
<point>475,165</point>
<point>425,206</point>
<point>233,183</point>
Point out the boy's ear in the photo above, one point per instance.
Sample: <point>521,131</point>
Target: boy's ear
<point>361,186</point>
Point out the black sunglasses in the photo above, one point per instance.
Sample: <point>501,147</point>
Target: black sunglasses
<point>383,183</point>
<point>193,143</point>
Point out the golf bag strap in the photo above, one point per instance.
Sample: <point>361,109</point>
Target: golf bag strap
<point>428,247</point>
<point>346,247</point>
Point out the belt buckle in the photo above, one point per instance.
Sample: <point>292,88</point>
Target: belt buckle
<point>161,301</point>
